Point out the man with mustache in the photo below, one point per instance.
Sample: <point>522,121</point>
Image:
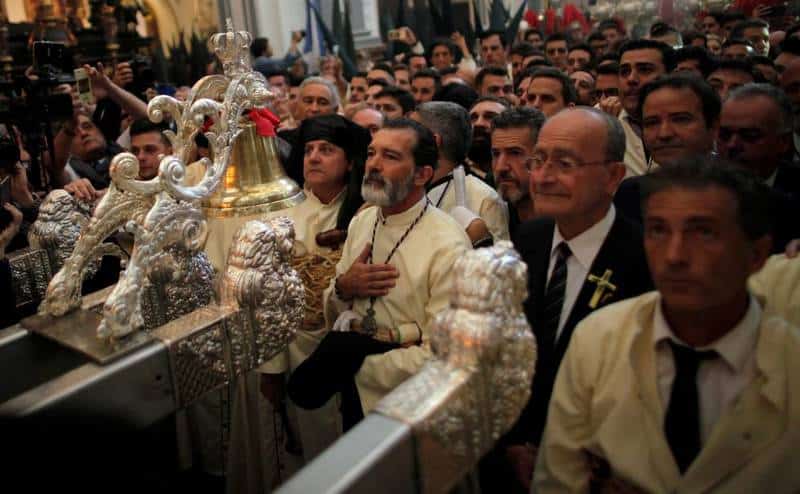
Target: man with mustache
<point>481,115</point>
<point>514,134</point>
<point>680,117</point>
<point>449,123</point>
<point>581,254</point>
<point>641,61</point>
<point>691,388</point>
<point>394,276</point>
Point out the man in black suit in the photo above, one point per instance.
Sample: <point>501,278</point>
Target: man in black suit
<point>680,116</point>
<point>755,131</point>
<point>581,255</point>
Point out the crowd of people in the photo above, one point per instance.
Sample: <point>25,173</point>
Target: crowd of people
<point>652,186</point>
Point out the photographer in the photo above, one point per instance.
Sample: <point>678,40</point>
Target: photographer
<point>85,171</point>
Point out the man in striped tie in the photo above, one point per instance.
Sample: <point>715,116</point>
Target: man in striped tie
<point>581,254</point>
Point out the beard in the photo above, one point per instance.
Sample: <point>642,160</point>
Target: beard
<point>480,151</point>
<point>510,192</point>
<point>385,193</point>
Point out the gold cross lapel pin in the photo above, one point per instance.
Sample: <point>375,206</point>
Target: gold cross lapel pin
<point>603,284</point>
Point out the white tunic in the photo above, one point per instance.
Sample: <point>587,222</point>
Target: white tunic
<point>310,218</point>
<point>635,158</point>
<point>481,200</point>
<point>424,261</point>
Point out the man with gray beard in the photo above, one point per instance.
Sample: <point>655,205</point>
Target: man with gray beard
<point>513,137</point>
<point>394,276</point>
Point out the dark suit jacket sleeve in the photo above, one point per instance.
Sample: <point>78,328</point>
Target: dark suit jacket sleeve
<point>627,200</point>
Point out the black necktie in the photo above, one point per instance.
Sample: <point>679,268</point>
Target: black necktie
<point>554,298</point>
<point>682,422</point>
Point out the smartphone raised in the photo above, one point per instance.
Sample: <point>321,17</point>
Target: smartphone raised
<point>84,85</point>
<point>394,34</point>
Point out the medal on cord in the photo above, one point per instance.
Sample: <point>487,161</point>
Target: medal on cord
<point>368,324</point>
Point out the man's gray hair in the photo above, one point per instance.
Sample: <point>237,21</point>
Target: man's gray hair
<point>451,122</point>
<point>325,82</point>
<point>778,97</point>
<point>521,117</point>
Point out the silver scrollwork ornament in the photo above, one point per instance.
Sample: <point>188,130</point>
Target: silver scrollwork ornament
<point>479,379</point>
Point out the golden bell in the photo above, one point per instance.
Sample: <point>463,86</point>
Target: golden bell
<point>255,181</point>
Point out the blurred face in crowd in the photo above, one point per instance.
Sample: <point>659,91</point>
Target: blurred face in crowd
<point>690,65</point>
<point>423,89</point>
<point>324,167</point>
<point>710,25</point>
<point>535,39</point>
<point>496,85</point>
<point>737,51</point>
<point>294,98</point>
<point>517,64</point>
<point>556,53</point>
<point>530,58</point>
<point>182,93</point>
<point>546,95</point>
<point>612,36</point>
<point>790,83</point>
<point>315,99</point>
<point>571,179</point>
<point>441,57</point>
<point>522,89</point>
<point>673,125</point>
<point>371,92</point>
<point>389,106</point>
<point>370,119</point>
<point>492,51</point>
<point>599,46</point>
<point>584,86</point>
<point>606,85</point>
<point>637,68</point>
<point>148,148</point>
<point>784,59</point>
<point>511,149</point>
<point>698,254</point>
<point>759,37</point>
<point>724,81</point>
<point>578,60</point>
<point>768,72</point>
<point>402,77</point>
<point>376,74</point>
<point>416,63</point>
<point>750,134</point>
<point>90,141</point>
<point>279,84</point>
<point>358,89</point>
<point>481,117</point>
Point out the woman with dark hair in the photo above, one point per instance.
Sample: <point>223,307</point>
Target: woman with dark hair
<point>331,151</point>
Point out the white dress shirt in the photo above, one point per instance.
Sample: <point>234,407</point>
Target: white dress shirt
<point>719,381</point>
<point>584,249</point>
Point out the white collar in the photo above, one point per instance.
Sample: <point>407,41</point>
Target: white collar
<point>403,218</point>
<point>586,245</point>
<point>311,196</point>
<point>734,348</point>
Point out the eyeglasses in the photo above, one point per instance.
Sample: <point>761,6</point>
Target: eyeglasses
<point>562,166</point>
